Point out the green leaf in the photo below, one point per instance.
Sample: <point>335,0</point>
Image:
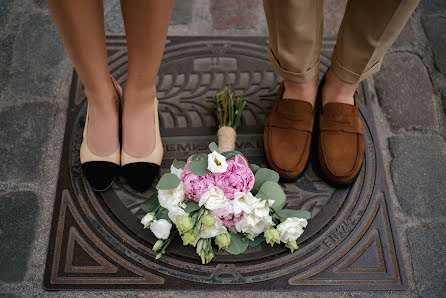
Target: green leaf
<point>237,245</point>
<point>264,174</point>
<point>257,240</point>
<point>179,164</point>
<point>168,181</point>
<point>199,167</point>
<point>163,214</point>
<point>231,154</point>
<point>200,156</point>
<point>191,206</point>
<point>272,191</point>
<point>151,203</point>
<point>286,213</point>
<point>213,147</point>
<point>254,168</point>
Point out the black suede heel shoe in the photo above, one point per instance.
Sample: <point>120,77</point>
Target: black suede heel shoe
<point>100,171</point>
<point>140,172</point>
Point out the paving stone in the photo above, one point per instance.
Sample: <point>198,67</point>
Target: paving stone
<point>432,6</point>
<point>418,170</point>
<point>333,14</point>
<point>18,214</point>
<point>407,37</point>
<point>443,97</point>
<point>182,13</point>
<point>9,295</point>
<point>6,44</point>
<point>38,51</point>
<point>24,131</point>
<point>428,250</point>
<point>233,14</point>
<point>405,93</point>
<point>435,27</point>
<point>5,9</point>
<point>113,17</point>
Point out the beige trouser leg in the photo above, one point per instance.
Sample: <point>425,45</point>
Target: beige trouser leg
<point>368,29</point>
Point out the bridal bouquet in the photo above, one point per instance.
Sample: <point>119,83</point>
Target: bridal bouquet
<point>219,198</point>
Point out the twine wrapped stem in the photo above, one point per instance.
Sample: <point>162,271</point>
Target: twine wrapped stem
<point>226,139</point>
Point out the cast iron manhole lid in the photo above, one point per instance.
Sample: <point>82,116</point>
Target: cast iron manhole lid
<point>97,242</point>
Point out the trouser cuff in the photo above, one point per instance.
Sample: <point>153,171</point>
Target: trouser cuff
<point>350,76</point>
<point>298,77</point>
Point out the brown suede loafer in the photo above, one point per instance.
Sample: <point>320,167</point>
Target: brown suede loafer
<point>340,142</point>
<point>287,135</point>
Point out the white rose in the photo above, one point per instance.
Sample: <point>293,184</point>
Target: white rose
<point>172,198</point>
<point>176,171</point>
<point>214,199</point>
<point>161,228</point>
<point>210,232</point>
<point>147,219</point>
<point>217,162</point>
<point>291,228</point>
<point>174,212</point>
<point>256,221</point>
<point>245,202</point>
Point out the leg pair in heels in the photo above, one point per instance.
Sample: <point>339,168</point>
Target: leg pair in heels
<point>139,172</point>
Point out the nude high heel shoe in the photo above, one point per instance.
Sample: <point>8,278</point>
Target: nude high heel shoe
<point>141,171</point>
<point>100,171</point>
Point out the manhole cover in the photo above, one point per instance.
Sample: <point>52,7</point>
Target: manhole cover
<point>97,241</point>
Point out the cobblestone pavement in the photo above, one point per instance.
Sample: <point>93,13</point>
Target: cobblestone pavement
<point>409,104</point>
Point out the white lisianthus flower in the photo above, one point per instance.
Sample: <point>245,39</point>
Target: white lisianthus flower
<point>161,228</point>
<point>214,199</point>
<point>245,202</point>
<point>176,171</point>
<point>174,212</point>
<point>212,231</point>
<point>172,198</point>
<point>217,162</point>
<point>291,228</point>
<point>147,219</point>
<point>257,220</point>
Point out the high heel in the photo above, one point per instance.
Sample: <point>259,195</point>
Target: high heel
<point>141,171</point>
<point>100,171</point>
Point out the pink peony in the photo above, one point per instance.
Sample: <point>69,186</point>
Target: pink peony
<point>227,216</point>
<point>238,177</point>
<point>195,186</point>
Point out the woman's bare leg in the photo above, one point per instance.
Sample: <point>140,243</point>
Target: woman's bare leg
<point>81,26</point>
<point>146,24</point>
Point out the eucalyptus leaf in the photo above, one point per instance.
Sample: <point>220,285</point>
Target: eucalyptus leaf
<point>199,157</point>
<point>231,154</point>
<point>271,190</point>
<point>213,147</point>
<point>168,181</point>
<point>238,245</point>
<point>254,168</point>
<point>199,167</point>
<point>151,203</point>
<point>179,164</point>
<point>191,206</point>
<point>163,214</point>
<point>257,240</point>
<point>286,213</point>
<point>264,174</point>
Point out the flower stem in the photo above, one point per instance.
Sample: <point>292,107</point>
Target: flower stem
<point>278,215</point>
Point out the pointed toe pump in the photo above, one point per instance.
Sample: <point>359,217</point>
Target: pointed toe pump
<point>140,172</point>
<point>100,171</point>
